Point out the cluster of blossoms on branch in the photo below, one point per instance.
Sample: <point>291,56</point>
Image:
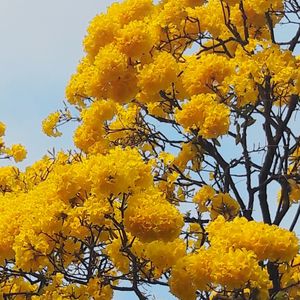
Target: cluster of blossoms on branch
<point>16,151</point>
<point>185,113</point>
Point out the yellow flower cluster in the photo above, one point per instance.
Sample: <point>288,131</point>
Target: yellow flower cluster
<point>16,151</point>
<point>64,192</point>
<point>156,253</point>
<point>109,76</point>
<point>110,176</point>
<point>290,279</point>
<point>136,39</point>
<point>266,241</point>
<point>236,267</point>
<point>124,129</point>
<point>153,252</point>
<point>232,260</point>
<point>190,273</point>
<point>101,31</point>
<point>2,129</point>
<point>251,71</point>
<point>204,74</point>
<point>113,41</point>
<point>49,125</point>
<point>205,194</point>
<point>124,60</point>
<point>16,285</point>
<point>232,269</point>
<point>157,76</point>
<point>89,136</point>
<point>217,204</point>
<point>57,290</point>
<point>262,6</point>
<point>120,260</point>
<point>212,17</point>
<point>105,28</point>
<point>8,179</point>
<point>151,217</point>
<point>205,114</point>
<point>130,10</point>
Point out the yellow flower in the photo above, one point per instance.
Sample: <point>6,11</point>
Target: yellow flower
<point>120,260</point>
<point>125,127</point>
<point>89,136</point>
<point>18,152</point>
<point>234,268</point>
<point>189,274</point>
<point>156,252</point>
<point>49,125</point>
<point>167,158</point>
<point>101,31</point>
<point>130,10</point>
<point>291,277</point>
<point>266,241</point>
<point>205,194</point>
<point>205,114</point>
<point>157,76</point>
<point>136,39</point>
<point>203,74</point>
<point>2,129</point>
<point>294,193</point>
<point>223,204</point>
<point>149,216</point>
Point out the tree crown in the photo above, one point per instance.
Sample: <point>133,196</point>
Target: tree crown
<point>187,124</point>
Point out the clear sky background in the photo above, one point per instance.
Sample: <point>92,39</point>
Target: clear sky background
<point>41,44</point>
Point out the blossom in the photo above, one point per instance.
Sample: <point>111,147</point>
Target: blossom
<point>150,217</point>
<point>2,129</point>
<point>136,39</point>
<point>266,241</point>
<point>204,113</point>
<point>203,74</point>
<point>156,76</point>
<point>17,151</point>
<point>49,125</point>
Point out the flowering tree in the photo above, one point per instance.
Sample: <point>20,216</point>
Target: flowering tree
<point>187,129</point>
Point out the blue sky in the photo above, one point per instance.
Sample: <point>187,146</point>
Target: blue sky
<point>41,44</point>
